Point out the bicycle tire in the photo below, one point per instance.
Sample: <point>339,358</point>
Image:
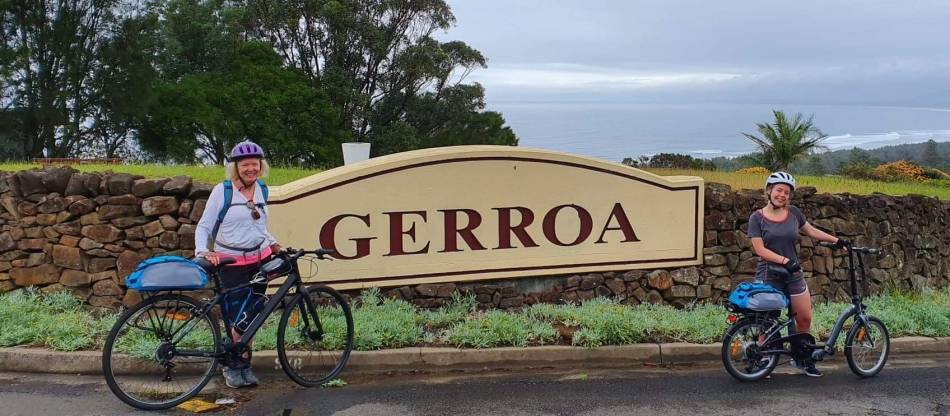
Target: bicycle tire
<point>857,354</point>
<point>320,339</point>
<point>739,355</point>
<point>169,317</point>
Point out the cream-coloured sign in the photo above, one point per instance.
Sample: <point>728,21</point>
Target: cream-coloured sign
<point>485,212</point>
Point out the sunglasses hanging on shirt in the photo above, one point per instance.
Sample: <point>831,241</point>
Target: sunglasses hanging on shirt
<point>254,212</point>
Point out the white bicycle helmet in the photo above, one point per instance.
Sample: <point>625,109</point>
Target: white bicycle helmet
<point>781,177</point>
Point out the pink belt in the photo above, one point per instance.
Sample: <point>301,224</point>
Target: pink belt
<point>246,259</point>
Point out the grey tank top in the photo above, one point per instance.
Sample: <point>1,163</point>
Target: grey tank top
<point>780,237</point>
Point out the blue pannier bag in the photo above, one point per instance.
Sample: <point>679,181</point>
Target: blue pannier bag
<point>757,296</point>
<point>167,273</point>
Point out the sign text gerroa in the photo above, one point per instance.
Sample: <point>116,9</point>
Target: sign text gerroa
<point>486,212</point>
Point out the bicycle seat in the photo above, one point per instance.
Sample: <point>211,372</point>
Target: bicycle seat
<point>210,268</point>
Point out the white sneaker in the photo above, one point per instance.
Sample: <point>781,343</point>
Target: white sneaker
<point>249,379</point>
<point>233,378</point>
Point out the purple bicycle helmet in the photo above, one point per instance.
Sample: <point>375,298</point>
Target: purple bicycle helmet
<point>246,149</point>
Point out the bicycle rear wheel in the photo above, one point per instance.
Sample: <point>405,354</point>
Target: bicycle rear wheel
<point>315,336</point>
<point>867,346</point>
<point>741,350</point>
<point>143,361</point>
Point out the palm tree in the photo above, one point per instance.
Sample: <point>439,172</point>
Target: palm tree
<point>786,140</point>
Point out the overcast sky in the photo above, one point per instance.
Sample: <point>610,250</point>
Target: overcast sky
<point>817,52</point>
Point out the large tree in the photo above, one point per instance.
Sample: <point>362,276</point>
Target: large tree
<point>392,81</point>
<point>786,140</point>
<point>51,52</point>
<point>198,117</point>
<point>126,82</point>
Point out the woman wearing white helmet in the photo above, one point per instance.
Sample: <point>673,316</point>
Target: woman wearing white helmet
<point>774,230</point>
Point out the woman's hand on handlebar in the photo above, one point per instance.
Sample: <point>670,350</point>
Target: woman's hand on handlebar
<point>841,243</point>
<point>212,258</point>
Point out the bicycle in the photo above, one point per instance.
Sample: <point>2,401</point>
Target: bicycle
<point>164,350</point>
<point>753,342</point>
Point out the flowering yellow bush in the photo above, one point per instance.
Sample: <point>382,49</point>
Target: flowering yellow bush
<point>900,170</point>
<point>758,170</point>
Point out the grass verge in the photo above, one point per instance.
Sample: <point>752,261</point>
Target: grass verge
<point>208,174</point>
<point>283,175</point>
<point>824,184</point>
<point>60,322</point>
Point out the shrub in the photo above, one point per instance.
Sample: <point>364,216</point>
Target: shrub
<point>858,171</point>
<point>384,323</point>
<point>934,173</point>
<point>498,328</point>
<point>900,170</point>
<point>755,170</point>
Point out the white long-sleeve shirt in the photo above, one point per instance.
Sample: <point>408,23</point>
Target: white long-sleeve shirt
<point>239,228</point>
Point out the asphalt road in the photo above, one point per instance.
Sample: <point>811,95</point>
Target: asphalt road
<point>919,386</point>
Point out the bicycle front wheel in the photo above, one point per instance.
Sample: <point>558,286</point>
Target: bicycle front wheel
<point>315,336</point>
<point>867,347</point>
<point>742,350</point>
<point>160,352</point>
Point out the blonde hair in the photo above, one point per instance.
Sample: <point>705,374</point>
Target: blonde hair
<point>231,171</point>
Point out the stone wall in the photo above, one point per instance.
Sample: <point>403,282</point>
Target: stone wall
<point>84,232</point>
<point>60,229</point>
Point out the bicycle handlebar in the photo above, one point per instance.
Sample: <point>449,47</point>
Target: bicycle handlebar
<point>321,253</point>
<point>864,250</point>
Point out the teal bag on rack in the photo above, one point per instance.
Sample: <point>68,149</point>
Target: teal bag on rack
<point>167,273</point>
<point>757,296</point>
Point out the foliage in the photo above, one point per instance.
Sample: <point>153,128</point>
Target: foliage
<point>934,173</point>
<point>456,311</point>
<point>59,321</point>
<point>184,80</point>
<point>199,173</point>
<point>826,184</point>
<point>786,140</point>
<point>929,154</point>
<point>252,96</point>
<point>755,170</point>
<point>394,84</point>
<point>670,161</point>
<point>498,328</point>
<point>858,171</point>
<point>900,170</point>
<point>384,323</point>
<point>52,53</point>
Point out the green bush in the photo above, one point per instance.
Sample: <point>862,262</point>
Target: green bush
<point>59,321</point>
<point>456,311</point>
<point>384,323</point>
<point>498,328</point>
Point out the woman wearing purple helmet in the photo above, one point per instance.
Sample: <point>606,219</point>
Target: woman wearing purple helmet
<point>774,230</point>
<point>234,224</point>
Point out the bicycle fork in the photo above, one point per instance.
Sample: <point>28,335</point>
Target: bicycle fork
<point>860,318</point>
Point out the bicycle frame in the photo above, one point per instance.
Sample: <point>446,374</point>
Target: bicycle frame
<point>232,348</point>
<point>856,310</point>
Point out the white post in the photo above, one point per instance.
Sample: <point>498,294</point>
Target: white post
<point>355,152</point>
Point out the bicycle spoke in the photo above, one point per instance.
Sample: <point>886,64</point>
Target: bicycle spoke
<point>164,377</point>
<point>315,336</point>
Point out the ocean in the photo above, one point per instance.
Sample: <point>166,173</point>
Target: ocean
<point>614,131</point>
